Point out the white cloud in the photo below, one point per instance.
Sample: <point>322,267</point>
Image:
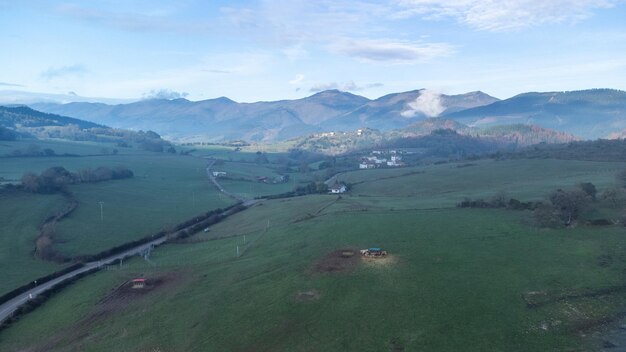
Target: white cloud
<point>56,72</point>
<point>7,84</point>
<point>164,94</point>
<point>503,15</point>
<point>392,51</point>
<point>427,103</point>
<point>349,86</point>
<point>297,79</point>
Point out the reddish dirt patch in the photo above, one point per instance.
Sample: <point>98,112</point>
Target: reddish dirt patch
<point>342,260</point>
<point>118,300</point>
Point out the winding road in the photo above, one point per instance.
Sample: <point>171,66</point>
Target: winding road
<point>7,308</point>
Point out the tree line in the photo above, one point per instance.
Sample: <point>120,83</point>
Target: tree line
<point>56,178</point>
<point>562,207</point>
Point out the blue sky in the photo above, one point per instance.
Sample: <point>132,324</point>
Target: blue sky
<point>270,50</point>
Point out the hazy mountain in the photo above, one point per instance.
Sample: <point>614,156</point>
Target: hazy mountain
<point>12,97</point>
<point>24,117</point>
<point>224,119</point>
<point>590,114</point>
<point>398,110</point>
<point>23,122</point>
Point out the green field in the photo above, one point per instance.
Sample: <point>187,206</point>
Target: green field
<point>66,147</point>
<point>241,179</point>
<point>456,279</point>
<point>21,214</point>
<point>445,185</point>
<point>166,190</point>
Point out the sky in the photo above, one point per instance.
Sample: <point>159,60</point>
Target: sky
<point>288,49</point>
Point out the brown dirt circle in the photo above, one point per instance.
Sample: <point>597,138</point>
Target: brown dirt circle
<point>347,259</point>
<point>342,260</point>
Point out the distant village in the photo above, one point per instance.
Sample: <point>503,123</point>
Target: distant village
<point>378,159</point>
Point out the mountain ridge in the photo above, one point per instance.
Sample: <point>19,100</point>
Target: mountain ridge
<point>224,119</point>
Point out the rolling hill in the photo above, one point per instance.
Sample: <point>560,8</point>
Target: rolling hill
<point>18,122</point>
<point>591,114</point>
<point>434,133</point>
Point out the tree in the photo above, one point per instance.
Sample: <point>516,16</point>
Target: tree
<point>261,158</point>
<point>613,195</point>
<point>588,188</point>
<point>30,181</point>
<point>569,204</point>
<point>545,215</point>
<point>500,199</point>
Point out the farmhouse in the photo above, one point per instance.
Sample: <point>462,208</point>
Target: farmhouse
<point>338,188</point>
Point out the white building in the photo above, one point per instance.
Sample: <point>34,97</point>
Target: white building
<point>338,188</point>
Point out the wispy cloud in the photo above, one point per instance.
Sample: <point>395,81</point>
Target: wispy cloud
<point>392,51</point>
<point>352,28</point>
<point>5,84</point>
<point>56,72</point>
<point>164,94</point>
<point>217,71</point>
<point>349,86</point>
<point>503,15</point>
<point>154,20</point>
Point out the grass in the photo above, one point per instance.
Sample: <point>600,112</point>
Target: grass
<point>241,179</point>
<point>447,184</point>
<point>166,190</point>
<point>459,278</point>
<point>60,147</point>
<point>20,216</point>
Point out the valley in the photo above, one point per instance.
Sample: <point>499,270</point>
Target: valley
<point>272,278</point>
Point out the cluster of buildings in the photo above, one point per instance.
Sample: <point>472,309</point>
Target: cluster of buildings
<point>377,159</point>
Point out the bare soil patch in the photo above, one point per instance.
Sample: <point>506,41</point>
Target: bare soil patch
<point>307,296</point>
<point>342,260</point>
<point>386,261</point>
<point>117,301</point>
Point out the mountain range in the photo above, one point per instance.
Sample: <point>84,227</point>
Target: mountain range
<point>223,119</point>
<point>589,114</point>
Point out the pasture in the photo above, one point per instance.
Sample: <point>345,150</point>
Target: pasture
<point>21,214</point>
<point>166,190</point>
<point>456,279</point>
<point>242,179</point>
<point>446,184</point>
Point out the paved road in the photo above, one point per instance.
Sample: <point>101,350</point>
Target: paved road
<point>244,201</point>
<point>9,307</point>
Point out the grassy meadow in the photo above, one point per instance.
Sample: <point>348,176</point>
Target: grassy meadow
<point>456,279</point>
<point>21,214</point>
<point>241,179</point>
<point>165,190</point>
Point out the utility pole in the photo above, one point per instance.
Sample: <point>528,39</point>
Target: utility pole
<point>101,210</point>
